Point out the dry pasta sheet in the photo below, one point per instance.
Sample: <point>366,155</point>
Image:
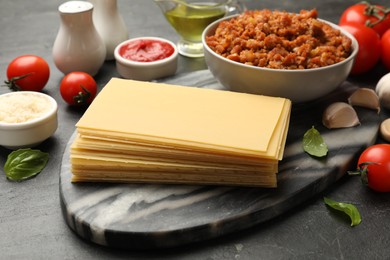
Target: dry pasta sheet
<point>137,131</point>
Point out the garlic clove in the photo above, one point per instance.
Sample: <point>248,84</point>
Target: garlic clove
<point>365,97</point>
<point>340,115</point>
<point>383,90</point>
<point>384,129</point>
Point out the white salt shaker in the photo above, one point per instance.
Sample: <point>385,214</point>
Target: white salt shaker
<point>110,24</point>
<point>78,46</point>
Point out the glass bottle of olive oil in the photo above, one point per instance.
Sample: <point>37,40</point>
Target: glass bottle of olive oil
<point>190,20</point>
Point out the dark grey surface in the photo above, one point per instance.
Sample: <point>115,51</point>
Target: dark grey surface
<point>31,224</point>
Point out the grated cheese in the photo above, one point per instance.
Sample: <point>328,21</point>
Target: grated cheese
<point>22,108</point>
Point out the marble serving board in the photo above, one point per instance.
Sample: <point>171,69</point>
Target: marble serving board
<point>144,216</point>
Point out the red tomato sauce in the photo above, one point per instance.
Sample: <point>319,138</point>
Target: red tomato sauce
<point>146,50</point>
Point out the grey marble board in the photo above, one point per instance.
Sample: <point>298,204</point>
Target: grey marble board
<point>144,216</point>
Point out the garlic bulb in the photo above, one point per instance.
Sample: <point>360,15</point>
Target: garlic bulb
<point>383,90</point>
<point>340,115</point>
<point>365,97</point>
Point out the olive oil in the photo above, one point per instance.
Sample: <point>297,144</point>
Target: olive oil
<point>190,21</point>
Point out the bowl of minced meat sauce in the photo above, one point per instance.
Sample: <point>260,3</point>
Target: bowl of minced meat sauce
<point>27,118</point>
<point>292,55</point>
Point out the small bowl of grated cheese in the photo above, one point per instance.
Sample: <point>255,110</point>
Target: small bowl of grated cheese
<point>27,118</point>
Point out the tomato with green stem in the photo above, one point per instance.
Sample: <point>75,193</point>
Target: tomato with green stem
<point>375,16</point>
<point>374,167</point>
<point>78,88</point>
<point>27,72</point>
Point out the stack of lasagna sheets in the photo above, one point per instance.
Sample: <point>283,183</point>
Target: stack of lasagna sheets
<point>143,132</point>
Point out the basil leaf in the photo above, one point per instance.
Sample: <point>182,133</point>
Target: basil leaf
<point>313,143</point>
<point>25,163</point>
<point>347,208</point>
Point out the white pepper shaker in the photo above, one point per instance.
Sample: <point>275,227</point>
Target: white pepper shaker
<point>78,46</point>
<point>110,24</point>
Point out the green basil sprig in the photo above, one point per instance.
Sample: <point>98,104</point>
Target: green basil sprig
<point>314,144</point>
<point>347,208</point>
<point>25,163</point>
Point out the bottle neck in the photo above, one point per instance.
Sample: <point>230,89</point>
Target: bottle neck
<point>105,7</point>
<point>77,20</point>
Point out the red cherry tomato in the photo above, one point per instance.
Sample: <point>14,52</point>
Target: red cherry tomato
<point>28,72</point>
<point>369,47</point>
<point>376,160</point>
<point>385,45</point>
<point>78,88</point>
<point>369,15</point>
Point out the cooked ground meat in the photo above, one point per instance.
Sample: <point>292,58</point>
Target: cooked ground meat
<point>280,40</point>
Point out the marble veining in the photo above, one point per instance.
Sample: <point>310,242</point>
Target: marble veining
<point>145,216</point>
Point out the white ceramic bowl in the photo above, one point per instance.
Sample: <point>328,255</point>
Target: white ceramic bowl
<point>29,133</point>
<point>146,70</point>
<point>297,85</point>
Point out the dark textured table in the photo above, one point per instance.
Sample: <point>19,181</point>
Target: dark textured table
<point>31,222</point>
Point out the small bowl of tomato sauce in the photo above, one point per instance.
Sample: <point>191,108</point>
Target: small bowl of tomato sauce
<point>146,58</point>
